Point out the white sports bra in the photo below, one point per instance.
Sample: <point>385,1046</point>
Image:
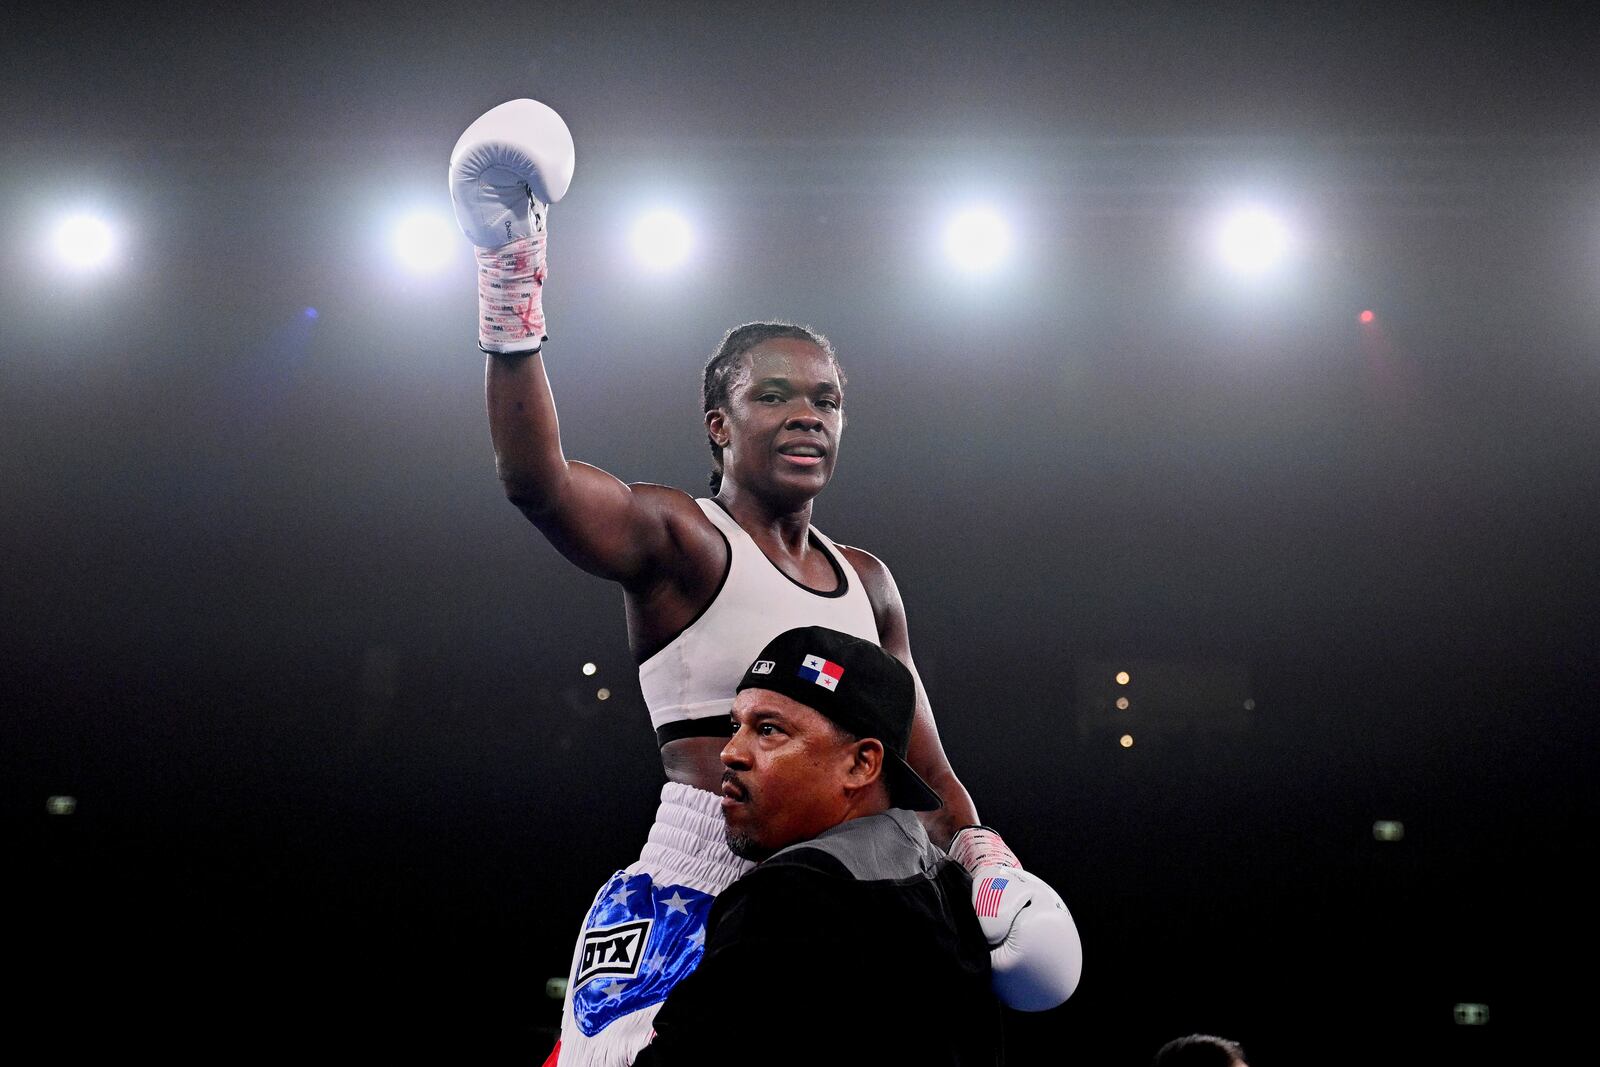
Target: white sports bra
<point>688,685</point>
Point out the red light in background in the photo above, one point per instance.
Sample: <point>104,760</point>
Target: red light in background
<point>1366,317</point>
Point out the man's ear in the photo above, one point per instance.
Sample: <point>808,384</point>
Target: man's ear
<point>866,764</point>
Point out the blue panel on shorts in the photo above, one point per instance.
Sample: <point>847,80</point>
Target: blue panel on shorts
<point>638,941</point>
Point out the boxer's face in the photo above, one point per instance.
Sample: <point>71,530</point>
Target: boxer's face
<point>780,431</point>
<point>785,772</point>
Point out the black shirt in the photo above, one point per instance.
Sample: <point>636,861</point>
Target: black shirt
<point>859,946</point>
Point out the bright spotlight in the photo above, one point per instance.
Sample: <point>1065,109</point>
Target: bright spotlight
<point>1366,317</point>
<point>1253,240</point>
<point>977,239</point>
<point>424,242</point>
<point>661,239</point>
<point>84,241</point>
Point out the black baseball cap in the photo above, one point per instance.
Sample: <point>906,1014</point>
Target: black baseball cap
<point>856,684</point>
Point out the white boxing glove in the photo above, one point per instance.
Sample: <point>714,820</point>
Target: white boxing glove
<point>1035,955</point>
<point>505,170</point>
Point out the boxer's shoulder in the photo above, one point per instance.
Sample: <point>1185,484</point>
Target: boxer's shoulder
<point>874,574</point>
<point>687,530</point>
<point>687,560</point>
<point>882,592</point>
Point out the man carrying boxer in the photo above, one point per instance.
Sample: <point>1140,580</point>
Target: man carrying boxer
<point>853,939</point>
<point>706,584</point>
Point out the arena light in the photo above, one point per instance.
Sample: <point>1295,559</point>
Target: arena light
<point>425,241</point>
<point>661,240</point>
<point>1252,240</point>
<point>1366,317</point>
<point>83,241</point>
<point>977,239</point>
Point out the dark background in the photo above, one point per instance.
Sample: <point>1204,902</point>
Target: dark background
<point>341,786</point>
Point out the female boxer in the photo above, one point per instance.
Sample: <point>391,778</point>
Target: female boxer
<point>707,583</point>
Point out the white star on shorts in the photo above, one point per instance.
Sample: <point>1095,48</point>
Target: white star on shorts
<point>675,903</point>
<point>699,937</point>
<point>613,989</point>
<point>621,896</point>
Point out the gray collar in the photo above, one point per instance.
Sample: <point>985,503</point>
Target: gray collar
<point>885,847</point>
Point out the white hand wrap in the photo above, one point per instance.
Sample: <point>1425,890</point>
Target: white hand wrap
<point>1035,955</point>
<point>510,296</point>
<point>979,846</point>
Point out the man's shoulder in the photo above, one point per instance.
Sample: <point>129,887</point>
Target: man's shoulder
<point>788,897</point>
<point>798,869</point>
<point>806,858</point>
<point>890,846</point>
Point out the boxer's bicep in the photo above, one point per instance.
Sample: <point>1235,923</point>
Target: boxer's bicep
<point>632,534</point>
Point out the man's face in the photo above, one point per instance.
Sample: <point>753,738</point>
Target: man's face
<point>781,427</point>
<point>786,768</point>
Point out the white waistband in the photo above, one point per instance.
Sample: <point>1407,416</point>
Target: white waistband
<point>688,844</point>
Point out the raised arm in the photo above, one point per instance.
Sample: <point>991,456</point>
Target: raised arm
<point>506,169</point>
<point>926,752</point>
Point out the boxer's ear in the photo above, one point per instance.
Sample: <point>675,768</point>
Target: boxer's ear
<point>717,427</point>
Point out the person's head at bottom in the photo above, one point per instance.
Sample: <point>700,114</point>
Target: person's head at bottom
<point>821,724</point>
<point>1200,1050</point>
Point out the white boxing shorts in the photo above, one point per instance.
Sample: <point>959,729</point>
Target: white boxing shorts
<point>645,930</point>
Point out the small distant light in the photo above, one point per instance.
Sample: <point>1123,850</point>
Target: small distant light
<point>604,694</point>
<point>589,668</point>
<point>84,241</point>
<point>1388,830</point>
<point>1366,317</point>
<point>61,805</point>
<point>661,240</point>
<point>1126,741</point>
<point>1122,677</point>
<point>1122,703</point>
<point>311,313</point>
<point>556,988</point>
<point>1249,705</point>
<point>1472,1015</point>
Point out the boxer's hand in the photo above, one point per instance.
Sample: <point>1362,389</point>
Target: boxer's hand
<point>1035,955</point>
<point>506,168</point>
<point>511,162</point>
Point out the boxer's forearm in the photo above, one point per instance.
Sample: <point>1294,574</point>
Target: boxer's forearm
<point>526,434</point>
<point>958,810</point>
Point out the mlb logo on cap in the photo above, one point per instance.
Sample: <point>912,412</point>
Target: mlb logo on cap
<point>823,672</point>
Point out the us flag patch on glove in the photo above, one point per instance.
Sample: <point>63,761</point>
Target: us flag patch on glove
<point>987,901</point>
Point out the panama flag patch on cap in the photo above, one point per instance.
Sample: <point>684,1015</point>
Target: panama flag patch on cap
<point>823,672</point>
